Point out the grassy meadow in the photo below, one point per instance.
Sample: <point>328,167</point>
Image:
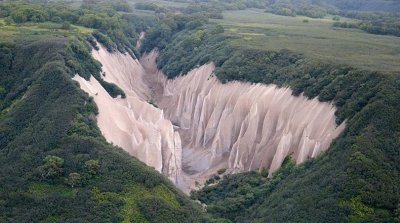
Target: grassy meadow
<point>12,31</point>
<point>315,38</point>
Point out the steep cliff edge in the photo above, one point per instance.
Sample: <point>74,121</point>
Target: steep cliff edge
<point>202,125</point>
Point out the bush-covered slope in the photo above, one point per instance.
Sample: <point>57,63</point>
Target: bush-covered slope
<point>54,164</point>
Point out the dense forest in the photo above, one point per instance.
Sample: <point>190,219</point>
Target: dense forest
<point>56,167</point>
<point>373,22</point>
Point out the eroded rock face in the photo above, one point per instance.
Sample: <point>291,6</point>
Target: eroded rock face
<point>240,126</point>
<point>132,123</point>
<point>202,125</point>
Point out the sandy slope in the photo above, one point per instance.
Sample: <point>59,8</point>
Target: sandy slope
<point>207,125</point>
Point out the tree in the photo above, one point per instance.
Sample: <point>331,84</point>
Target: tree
<point>217,29</point>
<point>92,166</point>
<point>66,25</point>
<point>55,160</point>
<point>74,179</point>
<point>221,171</point>
<point>19,16</point>
<point>397,214</point>
<point>52,167</point>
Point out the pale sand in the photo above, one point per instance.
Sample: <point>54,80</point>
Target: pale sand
<point>140,39</point>
<point>238,126</point>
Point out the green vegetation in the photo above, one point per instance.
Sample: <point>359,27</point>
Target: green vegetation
<point>293,8</point>
<point>298,6</point>
<point>12,31</point>
<point>146,6</point>
<point>159,35</point>
<point>74,179</point>
<point>376,23</point>
<point>137,196</point>
<point>162,3</point>
<point>316,39</point>
<point>375,20</point>
<point>108,18</point>
<point>231,196</point>
<point>221,171</point>
<point>365,5</point>
<point>52,168</point>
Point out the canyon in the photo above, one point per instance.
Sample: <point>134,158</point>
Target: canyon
<point>189,127</point>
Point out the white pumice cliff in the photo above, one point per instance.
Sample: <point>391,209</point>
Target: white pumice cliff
<point>200,125</point>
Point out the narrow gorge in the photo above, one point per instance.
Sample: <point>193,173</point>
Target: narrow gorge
<point>190,127</point>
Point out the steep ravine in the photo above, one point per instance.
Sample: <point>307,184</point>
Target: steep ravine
<point>199,125</point>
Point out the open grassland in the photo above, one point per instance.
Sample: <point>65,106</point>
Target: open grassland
<point>315,38</point>
<point>12,31</point>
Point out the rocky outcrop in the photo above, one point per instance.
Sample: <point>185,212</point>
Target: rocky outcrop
<point>201,125</point>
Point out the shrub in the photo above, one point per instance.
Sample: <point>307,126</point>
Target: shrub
<point>74,179</point>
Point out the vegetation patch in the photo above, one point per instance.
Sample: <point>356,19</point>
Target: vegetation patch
<point>138,193</point>
<point>43,190</point>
